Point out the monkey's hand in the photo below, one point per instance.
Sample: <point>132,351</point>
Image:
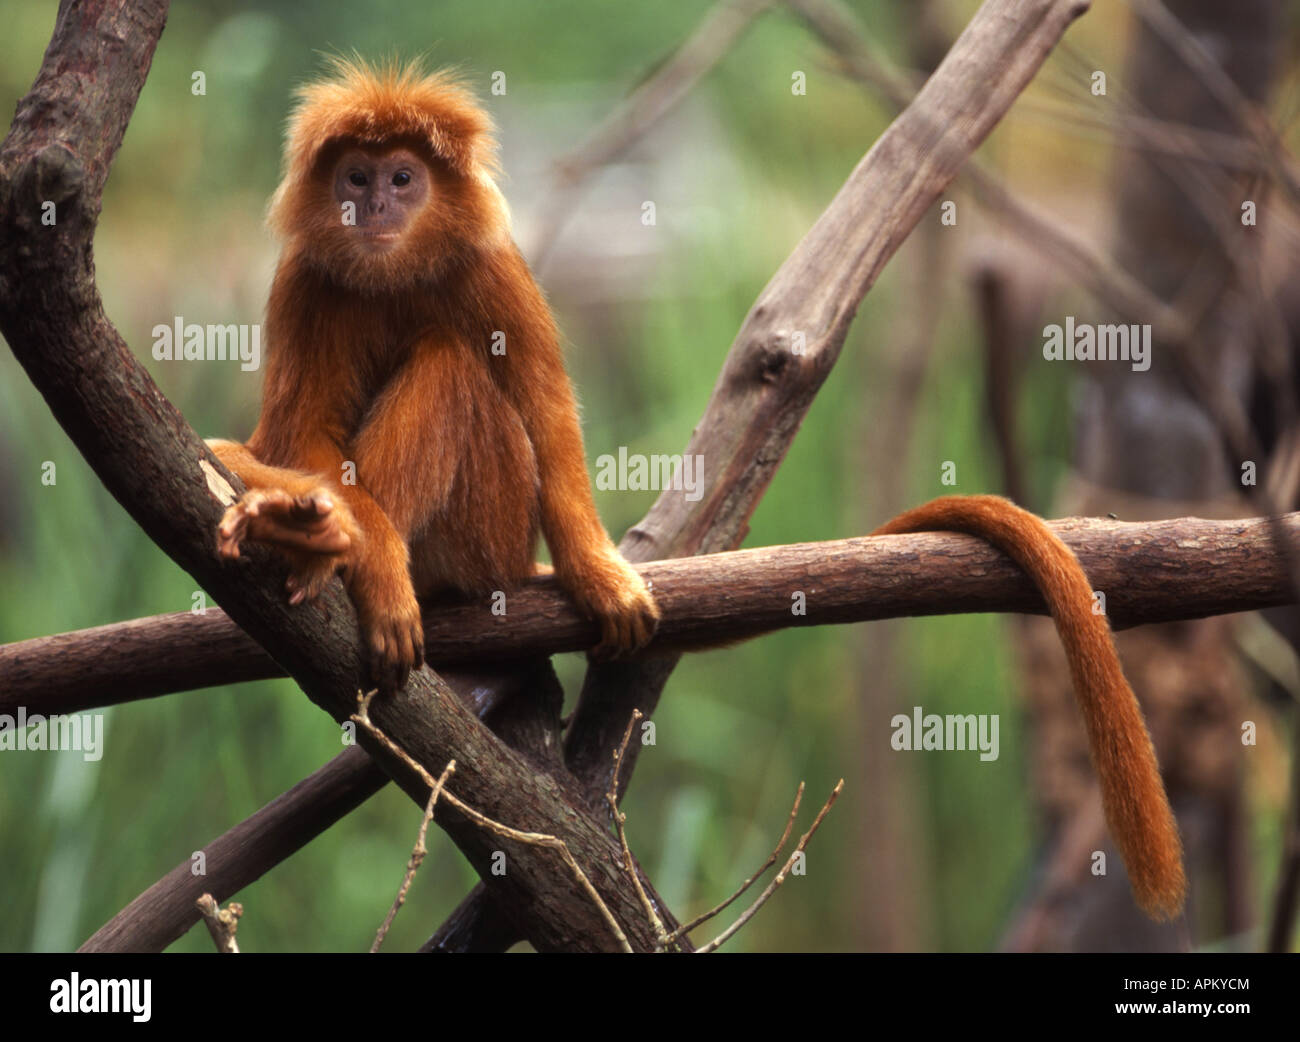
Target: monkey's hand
<point>380,586</point>
<point>608,589</point>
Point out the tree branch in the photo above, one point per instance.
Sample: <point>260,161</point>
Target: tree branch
<point>1151,572</point>
<point>769,378</point>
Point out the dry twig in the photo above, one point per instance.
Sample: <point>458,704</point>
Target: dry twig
<point>416,859</point>
<point>682,931</point>
<point>362,718</point>
<point>222,922</point>
<point>772,887</point>
<point>1223,88</point>
<point>619,821</point>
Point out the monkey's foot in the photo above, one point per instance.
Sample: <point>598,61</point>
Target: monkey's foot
<point>312,522</point>
<point>309,574</point>
<point>392,629</point>
<point>616,596</point>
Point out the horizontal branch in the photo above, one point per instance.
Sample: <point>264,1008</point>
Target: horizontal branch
<point>1157,571</point>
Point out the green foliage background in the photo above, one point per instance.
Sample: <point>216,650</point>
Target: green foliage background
<point>738,729</point>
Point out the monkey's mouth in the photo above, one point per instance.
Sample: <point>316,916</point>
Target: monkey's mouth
<point>380,237</point>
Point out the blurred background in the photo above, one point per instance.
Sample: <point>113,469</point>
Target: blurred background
<point>943,364</point>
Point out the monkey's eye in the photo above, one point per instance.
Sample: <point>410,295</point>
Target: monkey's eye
<point>402,178</point>
<point>357,178</point>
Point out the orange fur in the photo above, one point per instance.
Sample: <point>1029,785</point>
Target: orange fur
<point>1133,796</point>
<point>384,359</point>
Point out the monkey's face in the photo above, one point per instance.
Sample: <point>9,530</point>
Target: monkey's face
<point>380,196</point>
<point>384,217</point>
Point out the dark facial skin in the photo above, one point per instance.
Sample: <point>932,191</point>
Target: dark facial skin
<point>388,188</point>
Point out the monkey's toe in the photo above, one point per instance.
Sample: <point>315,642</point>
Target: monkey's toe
<point>312,506</point>
<point>310,575</point>
<point>627,629</point>
<point>396,647</point>
<point>232,530</point>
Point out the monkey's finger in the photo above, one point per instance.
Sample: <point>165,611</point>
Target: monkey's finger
<point>402,659</point>
<point>312,577</point>
<point>400,672</point>
<point>380,662</point>
<point>251,503</point>
<point>404,653</point>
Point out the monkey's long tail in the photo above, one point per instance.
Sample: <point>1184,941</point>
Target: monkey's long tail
<point>1133,796</point>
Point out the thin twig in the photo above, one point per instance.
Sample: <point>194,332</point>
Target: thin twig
<point>540,839</point>
<point>682,931</point>
<point>619,819</point>
<point>773,886</point>
<point>222,922</point>
<point>417,856</point>
<point>1192,365</point>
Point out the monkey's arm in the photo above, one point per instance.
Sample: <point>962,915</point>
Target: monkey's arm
<point>587,563</point>
<point>1133,796</point>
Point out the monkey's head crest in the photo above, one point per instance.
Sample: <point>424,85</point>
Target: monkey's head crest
<point>371,104</point>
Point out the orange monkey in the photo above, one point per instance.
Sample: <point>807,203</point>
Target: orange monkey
<point>409,341</point>
<point>418,428</point>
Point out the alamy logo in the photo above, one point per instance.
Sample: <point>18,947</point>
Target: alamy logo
<point>93,995</point>
<point>952,732</point>
<point>195,343</point>
<point>1087,343</point>
<point>639,473</point>
<point>83,732</point>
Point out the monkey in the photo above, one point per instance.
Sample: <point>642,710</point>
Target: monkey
<point>1133,796</point>
<point>418,430</point>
